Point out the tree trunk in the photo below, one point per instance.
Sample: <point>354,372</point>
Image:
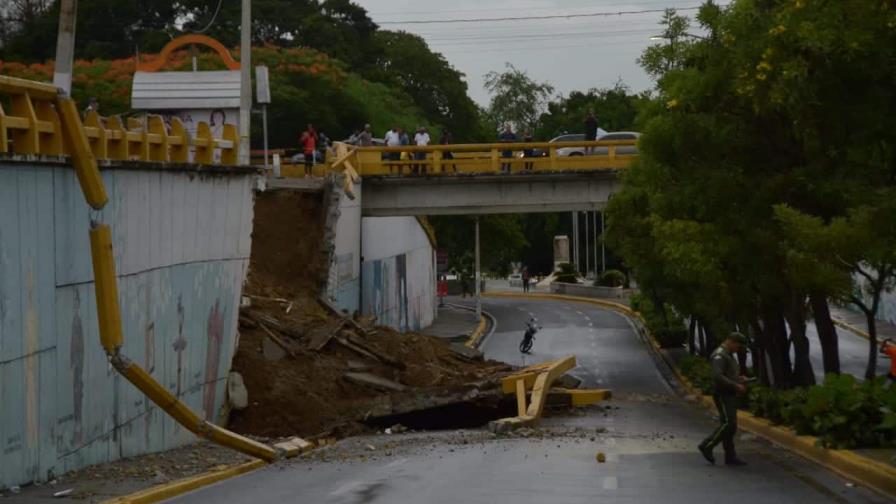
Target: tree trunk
<point>803,374</point>
<point>827,333</point>
<point>692,329</point>
<point>702,333</point>
<point>760,363</point>
<point>778,348</point>
<point>871,368</point>
<point>711,342</point>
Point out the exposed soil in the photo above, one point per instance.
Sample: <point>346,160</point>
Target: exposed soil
<point>306,394</point>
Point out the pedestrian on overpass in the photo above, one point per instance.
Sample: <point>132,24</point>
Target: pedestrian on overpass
<point>529,152</point>
<point>308,141</point>
<point>590,131</point>
<point>728,384</point>
<point>507,136</point>
<point>448,139</point>
<point>365,138</point>
<point>421,139</point>
<point>526,278</point>
<point>392,138</point>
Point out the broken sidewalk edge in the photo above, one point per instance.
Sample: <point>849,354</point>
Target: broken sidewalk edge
<point>878,476</point>
<point>173,489</point>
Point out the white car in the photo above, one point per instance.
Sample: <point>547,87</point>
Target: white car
<point>598,151</point>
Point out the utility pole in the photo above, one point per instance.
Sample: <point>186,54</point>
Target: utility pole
<point>245,80</point>
<point>65,46</point>
<point>587,245</point>
<point>603,248</point>
<point>575,239</point>
<point>478,276</point>
<point>595,243</point>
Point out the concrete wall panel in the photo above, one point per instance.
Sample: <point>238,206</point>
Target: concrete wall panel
<point>182,244</point>
<point>398,273</point>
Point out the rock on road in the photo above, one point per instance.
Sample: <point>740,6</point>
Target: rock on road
<point>647,432</point>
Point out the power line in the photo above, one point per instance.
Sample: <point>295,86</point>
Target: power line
<point>532,18</point>
<point>215,15</point>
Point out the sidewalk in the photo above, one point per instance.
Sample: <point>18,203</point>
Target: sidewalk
<point>856,320</point>
<point>452,322</point>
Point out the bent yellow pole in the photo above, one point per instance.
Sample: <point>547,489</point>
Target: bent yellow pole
<point>82,157</point>
<point>109,315</point>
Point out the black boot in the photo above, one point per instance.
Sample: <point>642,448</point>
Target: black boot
<point>707,453</point>
<point>734,461</point>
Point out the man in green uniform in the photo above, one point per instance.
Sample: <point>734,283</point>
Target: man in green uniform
<point>728,383</point>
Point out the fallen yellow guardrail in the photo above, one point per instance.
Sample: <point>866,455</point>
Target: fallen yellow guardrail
<point>30,134</point>
<point>537,381</point>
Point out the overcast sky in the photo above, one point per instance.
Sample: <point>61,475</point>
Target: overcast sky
<point>570,53</point>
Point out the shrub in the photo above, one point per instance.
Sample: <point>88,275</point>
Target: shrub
<point>698,372</point>
<point>566,273</point>
<point>669,329</point>
<point>611,278</point>
<point>671,337</point>
<point>842,412</point>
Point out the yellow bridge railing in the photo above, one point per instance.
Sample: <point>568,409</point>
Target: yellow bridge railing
<point>32,126</point>
<point>496,158</point>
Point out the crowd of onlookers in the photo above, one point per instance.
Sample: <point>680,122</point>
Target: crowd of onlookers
<point>314,144</point>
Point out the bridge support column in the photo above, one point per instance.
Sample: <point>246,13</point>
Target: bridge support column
<point>478,275</point>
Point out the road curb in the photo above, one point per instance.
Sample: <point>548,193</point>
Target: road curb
<point>168,490</point>
<point>482,331</point>
<point>851,328</point>
<point>878,476</point>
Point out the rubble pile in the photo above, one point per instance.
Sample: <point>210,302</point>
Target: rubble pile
<point>315,372</point>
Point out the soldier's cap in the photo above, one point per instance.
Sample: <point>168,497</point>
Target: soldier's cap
<point>739,338</point>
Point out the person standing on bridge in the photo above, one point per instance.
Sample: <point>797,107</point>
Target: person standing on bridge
<point>421,139</point>
<point>526,278</point>
<point>507,136</point>
<point>365,138</point>
<point>308,140</point>
<point>728,384</point>
<point>528,152</point>
<point>448,139</point>
<point>590,131</point>
<point>392,138</point>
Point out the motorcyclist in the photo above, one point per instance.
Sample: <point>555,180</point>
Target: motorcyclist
<point>531,328</point>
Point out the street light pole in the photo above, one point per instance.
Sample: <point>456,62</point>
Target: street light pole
<point>65,46</point>
<point>245,80</point>
<point>478,276</point>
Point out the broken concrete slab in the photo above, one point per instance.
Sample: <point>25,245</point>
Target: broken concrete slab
<point>466,352</point>
<point>568,381</point>
<point>374,381</point>
<point>293,447</point>
<point>271,350</point>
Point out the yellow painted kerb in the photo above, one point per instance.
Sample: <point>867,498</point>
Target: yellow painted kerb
<point>182,486</point>
<point>476,335</point>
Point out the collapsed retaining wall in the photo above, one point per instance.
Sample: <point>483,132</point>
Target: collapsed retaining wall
<point>182,241</point>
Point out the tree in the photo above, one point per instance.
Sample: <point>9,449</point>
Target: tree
<point>616,109</point>
<point>516,98</point>
<point>781,104</point>
<point>405,61</point>
<point>500,237</point>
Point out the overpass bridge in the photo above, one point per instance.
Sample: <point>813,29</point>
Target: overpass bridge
<point>468,179</point>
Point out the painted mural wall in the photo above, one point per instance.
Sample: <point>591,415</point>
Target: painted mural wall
<point>398,273</point>
<point>182,242</point>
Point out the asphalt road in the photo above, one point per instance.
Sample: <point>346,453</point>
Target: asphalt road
<point>647,433</point>
<point>853,354</point>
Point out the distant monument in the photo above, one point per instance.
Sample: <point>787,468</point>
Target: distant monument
<point>561,250</point>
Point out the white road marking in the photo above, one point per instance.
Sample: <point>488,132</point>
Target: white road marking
<point>611,483</point>
<point>580,313</point>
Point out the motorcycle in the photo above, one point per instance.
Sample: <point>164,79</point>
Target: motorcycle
<point>529,336</point>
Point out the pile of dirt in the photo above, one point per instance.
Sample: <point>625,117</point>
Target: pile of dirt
<point>314,372</point>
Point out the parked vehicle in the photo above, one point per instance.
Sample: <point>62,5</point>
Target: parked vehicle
<point>599,151</point>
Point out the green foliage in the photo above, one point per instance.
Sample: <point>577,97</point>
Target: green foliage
<point>842,412</point>
<point>666,326</point>
<point>516,99</point>
<point>500,236</point>
<point>698,372</point>
<point>615,109</point>
<point>567,273</point>
<point>611,278</point>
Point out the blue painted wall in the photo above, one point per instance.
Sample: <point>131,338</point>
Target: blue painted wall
<point>182,242</point>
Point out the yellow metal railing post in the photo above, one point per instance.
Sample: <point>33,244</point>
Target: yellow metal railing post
<point>82,157</point>
<point>26,141</point>
<point>552,154</point>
